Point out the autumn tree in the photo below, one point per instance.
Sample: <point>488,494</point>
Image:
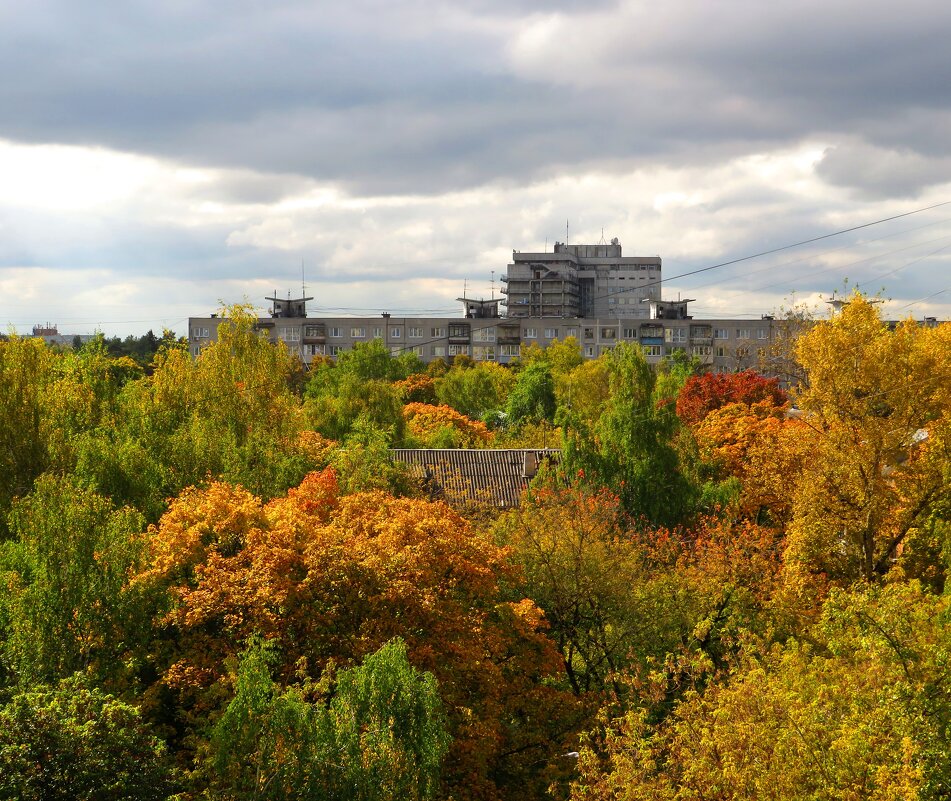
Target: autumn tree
<point>329,577</point>
<point>444,427</point>
<point>860,714</point>
<point>229,412</point>
<point>705,393</point>
<point>26,370</point>
<point>877,400</point>
<point>592,580</point>
<point>475,390</point>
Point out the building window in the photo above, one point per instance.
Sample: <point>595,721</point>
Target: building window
<point>417,349</point>
<point>589,333</point>
<point>290,334</point>
<point>378,333</point>
<point>675,335</point>
<point>762,333</point>
<point>701,350</point>
<point>358,333</point>
<point>395,333</point>
<point>459,331</point>
<point>531,333</point>
<point>653,350</point>
<point>508,350</point>
<point>458,350</point>
<point>416,333</point>
<point>742,333</point>
<point>720,350</point>
<point>630,333</point>
<point>336,350</point>
<point>315,350</point>
<point>439,350</point>
<point>483,353</point>
<point>313,331</point>
<point>589,351</point>
<point>608,333</point>
<point>551,333</point>
<point>721,333</point>
<point>336,332</point>
<point>571,332</point>
<point>438,332</point>
<point>199,333</point>
<point>484,335</point>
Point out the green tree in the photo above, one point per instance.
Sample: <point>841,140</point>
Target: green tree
<point>533,397</point>
<point>26,370</point>
<point>72,742</point>
<point>629,448</point>
<point>472,390</point>
<point>64,573</point>
<point>380,736</point>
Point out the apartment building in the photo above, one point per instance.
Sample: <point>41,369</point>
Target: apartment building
<point>480,333</point>
<point>592,281</point>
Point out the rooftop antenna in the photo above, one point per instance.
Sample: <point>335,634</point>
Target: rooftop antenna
<point>602,242</point>
<point>303,290</point>
<point>465,286</point>
<point>493,285</point>
<point>566,232</point>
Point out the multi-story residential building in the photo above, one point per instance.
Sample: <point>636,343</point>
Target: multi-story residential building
<point>581,281</point>
<point>480,333</point>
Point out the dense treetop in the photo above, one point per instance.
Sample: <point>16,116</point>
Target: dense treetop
<point>217,585</point>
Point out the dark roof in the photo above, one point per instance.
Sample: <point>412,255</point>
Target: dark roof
<point>493,477</point>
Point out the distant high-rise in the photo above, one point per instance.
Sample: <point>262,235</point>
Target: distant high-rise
<point>581,281</point>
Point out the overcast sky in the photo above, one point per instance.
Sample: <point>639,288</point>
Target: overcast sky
<point>159,157</point>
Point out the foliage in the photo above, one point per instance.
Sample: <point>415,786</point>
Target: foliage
<point>473,390</point>
<point>329,577</point>
<point>705,393</point>
<point>380,736</point>
<point>63,577</point>
<point>877,400</point>
<point>72,742</point>
<point>533,397</point>
<point>25,374</point>
<point>417,388</point>
<point>862,715</point>
<point>444,427</point>
<point>628,449</point>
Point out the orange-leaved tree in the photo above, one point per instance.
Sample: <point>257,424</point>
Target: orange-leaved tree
<point>444,427</point>
<point>703,394</point>
<point>329,578</point>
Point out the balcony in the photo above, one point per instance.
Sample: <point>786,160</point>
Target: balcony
<point>460,334</point>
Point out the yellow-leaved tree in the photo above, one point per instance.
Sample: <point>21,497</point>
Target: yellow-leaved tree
<point>877,400</point>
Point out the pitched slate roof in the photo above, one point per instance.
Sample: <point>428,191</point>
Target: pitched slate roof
<point>492,477</point>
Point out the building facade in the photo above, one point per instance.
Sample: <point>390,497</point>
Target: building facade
<point>591,281</point>
<point>724,345</point>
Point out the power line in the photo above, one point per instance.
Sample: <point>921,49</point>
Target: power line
<point>775,250</point>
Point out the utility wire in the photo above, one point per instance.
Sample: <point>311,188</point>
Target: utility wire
<point>776,250</point>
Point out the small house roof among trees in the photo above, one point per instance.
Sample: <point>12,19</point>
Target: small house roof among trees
<point>492,477</point>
